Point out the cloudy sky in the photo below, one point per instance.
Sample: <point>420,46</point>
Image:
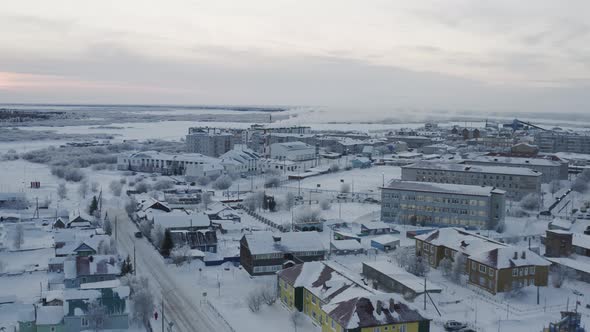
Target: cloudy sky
<point>527,55</point>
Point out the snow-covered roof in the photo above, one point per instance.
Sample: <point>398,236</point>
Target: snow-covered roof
<point>460,240</point>
<point>81,294</point>
<point>27,315</point>
<point>386,239</point>
<point>576,262</point>
<point>51,295</point>
<point>448,166</point>
<point>50,315</point>
<point>5,196</point>
<point>91,265</point>
<point>376,225</point>
<point>101,284</point>
<point>444,188</point>
<point>184,157</point>
<point>292,146</point>
<point>70,269</point>
<point>581,240</point>
<point>508,257</point>
<point>267,242</point>
<point>363,312</point>
<point>403,277</point>
<point>346,245</point>
<point>515,161</point>
<point>323,281</point>
<point>181,220</point>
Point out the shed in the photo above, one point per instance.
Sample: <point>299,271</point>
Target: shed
<point>385,242</point>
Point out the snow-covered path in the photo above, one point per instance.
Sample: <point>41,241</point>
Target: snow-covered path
<point>183,306</point>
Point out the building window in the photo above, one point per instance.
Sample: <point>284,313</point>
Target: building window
<point>84,322</point>
<point>532,270</point>
<point>482,268</point>
<point>376,329</point>
<point>313,299</point>
<point>491,272</point>
<point>402,328</point>
<point>515,272</point>
<point>473,266</point>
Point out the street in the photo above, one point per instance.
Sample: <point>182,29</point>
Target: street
<point>182,303</point>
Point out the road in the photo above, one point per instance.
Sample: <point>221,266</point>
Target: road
<point>183,305</point>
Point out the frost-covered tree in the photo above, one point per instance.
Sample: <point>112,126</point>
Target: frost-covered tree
<point>580,185</point>
<point>142,300</point>
<point>18,237</point>
<point>223,182</point>
<point>167,244</point>
<point>203,180</point>
<point>530,202</point>
<point>145,226</point>
<point>206,200</point>
<point>307,215</point>
<point>554,187</point>
<point>296,319</point>
<point>94,186</point>
<point>62,190</point>
<point>458,268</point>
<point>96,314</point>
<point>83,188</point>
<point>131,206</point>
<point>446,266</point>
<point>559,274</point>
<point>116,188</point>
<point>254,300</point>
<point>254,200</point>
<point>163,184</point>
<point>181,255</point>
<point>289,201</point>
<point>142,187</point>
<point>157,235</point>
<point>334,168</point>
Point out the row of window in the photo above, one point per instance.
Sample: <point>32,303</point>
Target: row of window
<point>267,268</point>
<point>509,185</point>
<point>465,174</point>
<point>435,199</point>
<point>436,209</point>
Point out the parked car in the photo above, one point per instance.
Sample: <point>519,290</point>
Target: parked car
<point>342,196</point>
<point>467,329</point>
<point>138,235</point>
<point>371,200</point>
<point>453,325</point>
<point>587,231</point>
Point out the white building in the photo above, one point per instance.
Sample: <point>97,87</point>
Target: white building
<point>293,151</point>
<point>154,161</point>
<point>550,169</point>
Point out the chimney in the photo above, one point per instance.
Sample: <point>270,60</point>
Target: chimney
<point>391,305</point>
<point>379,308</point>
<point>523,256</point>
<point>515,255</point>
<point>276,238</point>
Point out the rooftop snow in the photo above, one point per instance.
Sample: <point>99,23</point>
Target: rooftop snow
<point>503,258</point>
<point>403,277</point>
<point>264,242</point>
<point>515,161</point>
<point>460,240</point>
<point>386,239</point>
<point>426,165</point>
<point>178,220</point>
<point>49,315</point>
<point>443,188</point>
<point>346,245</point>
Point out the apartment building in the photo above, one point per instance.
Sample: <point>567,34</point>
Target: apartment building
<point>563,141</point>
<point>169,164</point>
<point>516,181</point>
<point>550,169</point>
<point>441,204</point>
<point>491,265</point>
<point>209,141</point>
<point>293,151</point>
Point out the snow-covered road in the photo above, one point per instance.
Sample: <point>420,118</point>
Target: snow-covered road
<point>182,302</point>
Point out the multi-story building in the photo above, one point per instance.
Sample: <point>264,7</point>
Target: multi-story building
<point>335,301</point>
<point>563,141</point>
<point>516,181</point>
<point>441,204</point>
<point>293,151</point>
<point>266,252</point>
<point>491,265</point>
<point>209,141</point>
<point>170,164</point>
<point>550,169</point>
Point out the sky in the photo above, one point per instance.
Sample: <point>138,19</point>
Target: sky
<point>501,55</point>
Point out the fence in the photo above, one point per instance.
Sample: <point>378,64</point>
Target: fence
<point>227,324</point>
<point>263,219</point>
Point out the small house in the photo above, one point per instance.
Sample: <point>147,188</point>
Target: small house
<point>346,247</point>
<point>375,228</point>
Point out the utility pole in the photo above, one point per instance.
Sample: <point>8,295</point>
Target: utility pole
<point>134,260</point>
<point>162,312</point>
<point>424,292</point>
<point>116,229</point>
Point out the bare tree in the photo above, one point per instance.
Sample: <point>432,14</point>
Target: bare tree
<point>83,188</point>
<point>96,314</point>
<point>107,226</point>
<point>254,300</point>
<point>181,255</point>
<point>163,184</point>
<point>254,201</point>
<point>18,236</point>
<point>325,204</point>
<point>142,187</point>
<point>559,274</point>
<point>269,294</point>
<point>62,191</point>
<point>345,188</point>
<point>116,187</point>
<point>272,182</point>
<point>334,168</point>
<point>206,200</point>
<point>131,206</point>
<point>307,215</point>
<point>203,181</point>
